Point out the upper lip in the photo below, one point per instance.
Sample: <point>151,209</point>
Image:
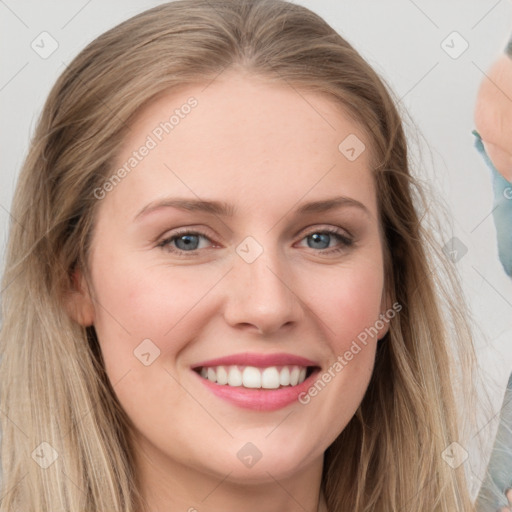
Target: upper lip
<point>257,360</point>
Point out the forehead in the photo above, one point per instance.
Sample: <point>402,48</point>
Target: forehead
<point>243,138</point>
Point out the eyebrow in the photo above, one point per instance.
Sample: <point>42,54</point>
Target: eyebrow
<point>223,209</point>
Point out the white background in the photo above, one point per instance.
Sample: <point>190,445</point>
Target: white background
<point>401,39</point>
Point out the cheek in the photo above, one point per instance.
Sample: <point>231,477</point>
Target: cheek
<point>348,309</point>
<point>347,303</point>
<point>136,303</point>
<point>146,318</point>
<point>347,300</point>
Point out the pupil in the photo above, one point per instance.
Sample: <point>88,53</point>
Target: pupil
<point>185,242</point>
<point>319,240</point>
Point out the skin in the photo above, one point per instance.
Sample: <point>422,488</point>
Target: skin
<point>263,149</point>
<point>508,494</point>
<point>493,115</point>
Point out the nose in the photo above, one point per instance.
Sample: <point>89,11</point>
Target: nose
<point>260,296</point>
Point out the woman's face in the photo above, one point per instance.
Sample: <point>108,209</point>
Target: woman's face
<point>241,246</point>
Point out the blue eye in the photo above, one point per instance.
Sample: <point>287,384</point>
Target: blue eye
<point>322,240</point>
<point>319,240</point>
<point>186,241</point>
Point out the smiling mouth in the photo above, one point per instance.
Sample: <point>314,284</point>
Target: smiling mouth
<point>252,377</point>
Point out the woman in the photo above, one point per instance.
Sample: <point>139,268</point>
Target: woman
<point>227,300</point>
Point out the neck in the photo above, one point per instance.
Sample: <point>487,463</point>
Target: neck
<point>168,485</point>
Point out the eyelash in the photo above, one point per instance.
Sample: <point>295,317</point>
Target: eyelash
<point>345,241</point>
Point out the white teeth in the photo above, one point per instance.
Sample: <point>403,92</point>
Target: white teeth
<point>284,376</point>
<point>252,377</point>
<point>222,375</point>
<point>234,376</point>
<point>270,378</point>
<point>212,375</point>
<point>294,376</point>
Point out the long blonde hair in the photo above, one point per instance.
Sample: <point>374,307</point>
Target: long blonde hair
<point>53,385</point>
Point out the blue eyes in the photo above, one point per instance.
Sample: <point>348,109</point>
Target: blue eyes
<point>319,240</point>
<point>190,241</point>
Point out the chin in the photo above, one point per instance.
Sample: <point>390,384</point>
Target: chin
<point>261,462</point>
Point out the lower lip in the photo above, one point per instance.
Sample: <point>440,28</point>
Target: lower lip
<point>259,399</point>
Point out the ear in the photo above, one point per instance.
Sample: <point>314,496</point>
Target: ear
<point>78,300</point>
